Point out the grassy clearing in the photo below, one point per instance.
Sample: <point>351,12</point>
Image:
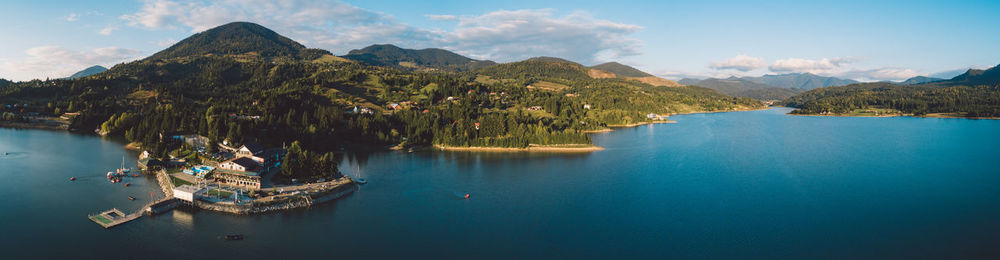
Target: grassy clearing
<point>179,182</point>
<point>548,86</point>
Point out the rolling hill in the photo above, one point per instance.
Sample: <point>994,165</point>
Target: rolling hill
<point>391,56</point>
<point>88,71</point>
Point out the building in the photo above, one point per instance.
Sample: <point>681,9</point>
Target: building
<point>187,193</point>
<point>243,164</point>
<point>239,179</point>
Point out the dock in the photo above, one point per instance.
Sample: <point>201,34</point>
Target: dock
<point>114,217</point>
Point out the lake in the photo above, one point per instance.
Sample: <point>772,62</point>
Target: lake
<point>722,185</point>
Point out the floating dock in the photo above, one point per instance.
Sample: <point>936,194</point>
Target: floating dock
<point>113,217</point>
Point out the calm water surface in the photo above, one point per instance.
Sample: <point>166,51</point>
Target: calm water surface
<point>757,183</point>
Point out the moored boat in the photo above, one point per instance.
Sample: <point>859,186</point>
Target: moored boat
<point>234,237</point>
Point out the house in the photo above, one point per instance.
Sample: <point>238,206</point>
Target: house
<point>535,108</point>
<point>243,164</point>
<point>148,163</point>
<point>249,149</point>
<point>586,106</point>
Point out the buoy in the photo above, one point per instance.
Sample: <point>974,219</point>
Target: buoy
<point>466,196</point>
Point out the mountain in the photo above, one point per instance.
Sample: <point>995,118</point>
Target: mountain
<point>972,77</point>
<point>972,94</point>
<point>5,82</point>
<point>774,86</point>
<point>615,69</point>
<point>801,80</point>
<point>919,80</point>
<point>621,70</point>
<point>88,71</point>
<point>238,38</point>
<point>391,56</point>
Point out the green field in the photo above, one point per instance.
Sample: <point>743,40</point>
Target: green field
<point>179,182</point>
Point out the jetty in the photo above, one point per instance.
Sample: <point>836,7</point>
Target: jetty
<point>114,217</point>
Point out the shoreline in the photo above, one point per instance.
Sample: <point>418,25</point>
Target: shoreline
<point>934,115</point>
<point>569,148</point>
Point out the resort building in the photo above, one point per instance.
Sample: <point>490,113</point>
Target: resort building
<point>235,178</point>
<point>243,164</point>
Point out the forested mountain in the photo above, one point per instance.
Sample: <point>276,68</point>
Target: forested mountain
<point>621,70</point>
<point>267,91</point>
<point>973,94</point>
<point>4,82</point>
<point>768,87</point>
<point>88,71</point>
<point>919,80</point>
<point>238,38</point>
<point>392,56</point>
<point>989,76</point>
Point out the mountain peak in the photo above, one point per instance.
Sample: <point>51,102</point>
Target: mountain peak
<point>88,71</point>
<point>235,38</point>
<point>621,70</point>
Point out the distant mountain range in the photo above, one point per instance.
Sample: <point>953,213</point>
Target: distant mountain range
<point>771,86</point>
<point>88,71</point>
<point>919,80</point>
<point>392,56</point>
<point>974,77</point>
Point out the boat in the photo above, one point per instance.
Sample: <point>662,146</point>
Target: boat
<point>466,196</point>
<point>360,180</point>
<point>234,237</point>
<point>131,198</point>
<point>72,178</point>
<point>128,184</point>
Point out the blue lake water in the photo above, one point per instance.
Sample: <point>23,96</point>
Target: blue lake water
<point>740,184</point>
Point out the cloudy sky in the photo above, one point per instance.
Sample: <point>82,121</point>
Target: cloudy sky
<point>889,40</point>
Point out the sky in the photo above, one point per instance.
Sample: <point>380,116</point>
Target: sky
<point>861,40</point>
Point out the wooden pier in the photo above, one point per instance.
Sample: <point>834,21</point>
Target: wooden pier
<point>113,217</point>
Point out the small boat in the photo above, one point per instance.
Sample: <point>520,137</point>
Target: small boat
<point>131,198</point>
<point>72,178</point>
<point>128,184</point>
<point>361,181</point>
<point>234,237</point>
<point>467,196</point>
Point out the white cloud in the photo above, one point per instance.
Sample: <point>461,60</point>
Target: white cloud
<point>820,66</point>
<point>166,43</point>
<point>441,17</point>
<point>72,17</point>
<point>107,30</point>
<point>338,27</point>
<point>519,34</point>
<point>880,74</point>
<point>740,62</point>
<point>57,62</point>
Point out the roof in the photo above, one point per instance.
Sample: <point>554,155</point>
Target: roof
<point>232,172</point>
<point>187,188</point>
<point>245,162</point>
<point>254,147</point>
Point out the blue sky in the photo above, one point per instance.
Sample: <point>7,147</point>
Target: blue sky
<point>864,40</point>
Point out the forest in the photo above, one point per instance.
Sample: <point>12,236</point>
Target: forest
<point>972,101</point>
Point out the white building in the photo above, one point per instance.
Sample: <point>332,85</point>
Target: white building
<point>187,192</point>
